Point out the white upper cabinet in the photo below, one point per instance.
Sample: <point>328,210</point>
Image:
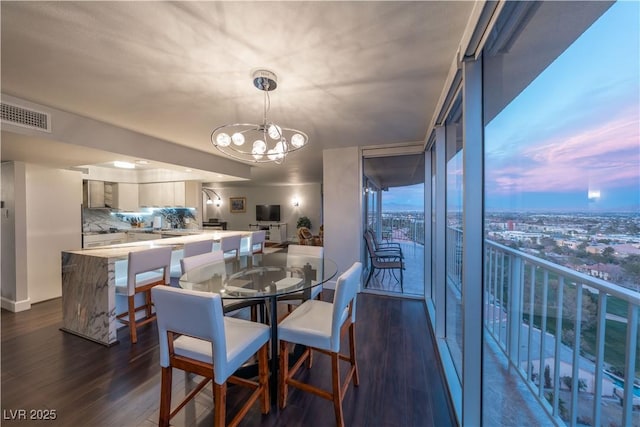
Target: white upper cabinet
<point>186,194</point>
<point>169,194</point>
<point>93,194</point>
<point>125,196</point>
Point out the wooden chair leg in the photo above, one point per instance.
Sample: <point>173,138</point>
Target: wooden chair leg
<point>352,353</point>
<point>219,404</point>
<point>263,377</point>
<point>132,320</point>
<point>337,394</point>
<point>165,397</point>
<point>254,313</point>
<point>147,302</point>
<point>284,373</point>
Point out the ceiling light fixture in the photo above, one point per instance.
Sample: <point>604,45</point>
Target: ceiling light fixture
<point>258,143</point>
<point>124,165</point>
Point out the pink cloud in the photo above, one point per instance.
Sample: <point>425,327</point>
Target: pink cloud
<point>604,156</point>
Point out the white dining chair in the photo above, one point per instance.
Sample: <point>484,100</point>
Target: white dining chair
<point>319,325</point>
<point>299,256</point>
<point>230,246</point>
<point>230,305</point>
<point>145,269</point>
<point>195,336</point>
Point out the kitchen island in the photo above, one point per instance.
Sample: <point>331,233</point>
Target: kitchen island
<point>89,282</point>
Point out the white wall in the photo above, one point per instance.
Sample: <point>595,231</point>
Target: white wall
<point>13,272</point>
<point>342,206</point>
<point>53,199</point>
<point>309,196</point>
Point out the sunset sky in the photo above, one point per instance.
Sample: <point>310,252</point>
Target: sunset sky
<point>579,149</point>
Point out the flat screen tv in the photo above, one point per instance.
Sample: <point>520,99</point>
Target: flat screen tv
<point>267,212</point>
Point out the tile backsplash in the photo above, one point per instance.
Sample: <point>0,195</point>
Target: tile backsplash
<point>96,220</point>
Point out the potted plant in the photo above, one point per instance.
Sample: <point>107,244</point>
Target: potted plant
<point>304,221</point>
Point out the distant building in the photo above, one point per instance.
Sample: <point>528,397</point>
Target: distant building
<point>596,249</point>
<point>626,249</point>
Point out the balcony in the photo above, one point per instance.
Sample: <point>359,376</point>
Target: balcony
<point>536,314</point>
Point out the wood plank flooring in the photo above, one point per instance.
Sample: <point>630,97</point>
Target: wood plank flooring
<point>91,385</point>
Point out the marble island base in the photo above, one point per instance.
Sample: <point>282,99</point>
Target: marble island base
<point>89,283</point>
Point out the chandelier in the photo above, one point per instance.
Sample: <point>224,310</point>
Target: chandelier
<point>265,142</point>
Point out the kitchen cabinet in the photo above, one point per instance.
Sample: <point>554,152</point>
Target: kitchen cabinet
<point>125,196</point>
<point>155,194</point>
<point>93,194</point>
<point>96,240</point>
<point>186,194</point>
<point>133,236</point>
<point>169,194</point>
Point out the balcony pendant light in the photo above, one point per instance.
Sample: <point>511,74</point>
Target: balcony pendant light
<point>266,142</point>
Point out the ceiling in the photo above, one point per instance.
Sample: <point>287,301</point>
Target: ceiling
<point>349,73</point>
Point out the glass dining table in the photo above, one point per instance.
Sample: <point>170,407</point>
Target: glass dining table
<point>267,277</point>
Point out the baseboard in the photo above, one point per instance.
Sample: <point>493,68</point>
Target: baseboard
<point>15,306</point>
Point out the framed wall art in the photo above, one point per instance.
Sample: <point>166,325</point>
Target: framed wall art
<point>237,204</point>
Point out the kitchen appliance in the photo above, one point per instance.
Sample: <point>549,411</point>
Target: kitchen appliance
<point>157,222</point>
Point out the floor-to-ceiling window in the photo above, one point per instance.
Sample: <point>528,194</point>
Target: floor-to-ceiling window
<point>562,215</point>
<point>454,235</point>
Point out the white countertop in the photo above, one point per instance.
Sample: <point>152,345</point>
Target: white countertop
<point>122,250</point>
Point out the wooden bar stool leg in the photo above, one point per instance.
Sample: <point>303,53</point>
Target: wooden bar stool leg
<point>263,378</point>
<point>165,397</point>
<point>284,373</point>
<point>219,404</point>
<point>352,353</point>
<point>147,301</point>
<point>132,320</point>
<point>337,394</point>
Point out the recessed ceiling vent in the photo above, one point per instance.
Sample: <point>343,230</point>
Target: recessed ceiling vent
<point>26,117</point>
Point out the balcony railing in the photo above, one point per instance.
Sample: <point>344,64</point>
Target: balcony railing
<point>572,338</point>
<point>398,227</point>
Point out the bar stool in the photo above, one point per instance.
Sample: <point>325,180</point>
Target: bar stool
<point>299,256</point>
<point>230,246</point>
<point>319,325</point>
<point>145,269</point>
<point>229,305</point>
<point>196,337</point>
<point>256,243</point>
<point>196,248</point>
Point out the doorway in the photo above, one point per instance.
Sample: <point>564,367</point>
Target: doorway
<point>394,211</point>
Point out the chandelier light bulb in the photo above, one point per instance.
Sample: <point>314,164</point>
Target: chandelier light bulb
<point>237,138</point>
<point>297,140</point>
<point>259,147</point>
<point>223,139</point>
<point>272,154</point>
<point>280,147</point>
<point>275,132</point>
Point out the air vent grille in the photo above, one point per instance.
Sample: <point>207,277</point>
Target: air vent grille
<point>25,117</point>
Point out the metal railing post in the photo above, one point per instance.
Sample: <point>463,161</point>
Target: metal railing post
<point>514,315</point>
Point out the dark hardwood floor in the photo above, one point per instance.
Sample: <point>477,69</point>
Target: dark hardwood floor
<point>87,384</point>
